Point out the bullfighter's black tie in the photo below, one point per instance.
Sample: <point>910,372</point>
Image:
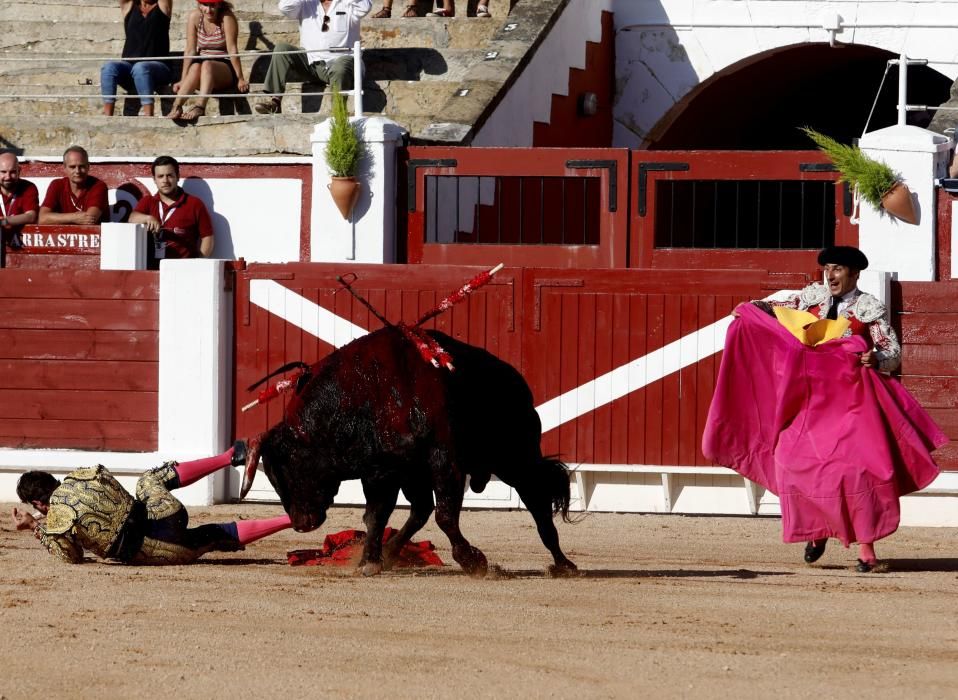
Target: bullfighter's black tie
<point>833,309</point>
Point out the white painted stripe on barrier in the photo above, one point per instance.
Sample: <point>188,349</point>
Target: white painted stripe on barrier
<point>302,313</point>
<point>604,389</point>
<point>634,375</point>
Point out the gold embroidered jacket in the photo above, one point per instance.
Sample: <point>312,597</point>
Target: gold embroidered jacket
<point>86,512</point>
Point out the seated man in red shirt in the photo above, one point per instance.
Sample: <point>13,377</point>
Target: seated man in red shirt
<point>180,224</point>
<point>19,200</point>
<point>78,198</point>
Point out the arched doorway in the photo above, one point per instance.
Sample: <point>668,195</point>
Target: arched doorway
<point>759,104</point>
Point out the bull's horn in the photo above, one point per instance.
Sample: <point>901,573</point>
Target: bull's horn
<point>249,469</point>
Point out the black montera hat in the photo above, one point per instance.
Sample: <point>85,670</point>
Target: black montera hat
<point>846,255</point>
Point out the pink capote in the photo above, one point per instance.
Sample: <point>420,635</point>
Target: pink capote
<point>837,442</point>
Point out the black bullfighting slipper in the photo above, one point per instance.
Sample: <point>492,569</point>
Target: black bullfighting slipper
<point>239,453</point>
<point>864,567</point>
<point>814,551</point>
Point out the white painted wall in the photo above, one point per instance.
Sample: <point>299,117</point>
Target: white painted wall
<point>256,219</point>
<point>547,74</point>
<point>919,156</point>
<point>664,48</point>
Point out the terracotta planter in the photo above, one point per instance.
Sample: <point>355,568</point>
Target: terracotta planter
<point>898,202</point>
<point>345,192</point>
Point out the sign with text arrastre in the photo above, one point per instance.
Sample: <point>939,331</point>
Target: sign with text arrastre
<point>63,240</point>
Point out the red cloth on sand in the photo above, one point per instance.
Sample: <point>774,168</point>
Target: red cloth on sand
<point>345,549</point>
<point>837,442</point>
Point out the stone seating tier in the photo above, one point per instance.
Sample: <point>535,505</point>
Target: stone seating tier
<point>415,71</point>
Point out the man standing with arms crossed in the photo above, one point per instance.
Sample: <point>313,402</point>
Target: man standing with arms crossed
<point>323,25</point>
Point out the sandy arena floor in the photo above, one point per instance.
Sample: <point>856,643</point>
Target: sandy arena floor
<point>667,606</point>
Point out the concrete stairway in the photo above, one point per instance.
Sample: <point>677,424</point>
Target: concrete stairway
<point>437,77</point>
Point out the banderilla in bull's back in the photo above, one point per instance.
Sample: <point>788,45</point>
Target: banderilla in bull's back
<point>428,348</point>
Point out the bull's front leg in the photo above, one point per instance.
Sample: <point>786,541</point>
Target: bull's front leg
<point>380,503</point>
<point>418,491</point>
<point>449,484</point>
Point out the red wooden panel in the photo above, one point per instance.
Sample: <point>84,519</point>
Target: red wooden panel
<point>688,438</point>
<point>585,337</point>
<point>671,384</point>
<point>515,163</point>
<point>79,345</point>
<point>946,457</point>
<point>722,165</point>
<point>947,420</point>
<point>78,405</point>
<point>933,392</point>
<point>602,433</point>
<point>62,314</point>
<point>929,328</point>
<point>623,350</point>
<point>939,360</point>
<point>124,436</point>
<point>567,345</point>
<point>925,297</point>
<point>80,375</point>
<point>944,203</point>
<point>80,284</point>
<point>651,452</point>
<point>704,383</point>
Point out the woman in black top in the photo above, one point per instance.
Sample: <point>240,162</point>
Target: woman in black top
<point>147,28</point>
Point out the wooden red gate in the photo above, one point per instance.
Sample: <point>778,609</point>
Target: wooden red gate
<point>79,359</point>
<point>621,362</point>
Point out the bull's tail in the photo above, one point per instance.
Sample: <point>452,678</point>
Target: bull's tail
<point>556,479</point>
<point>285,368</point>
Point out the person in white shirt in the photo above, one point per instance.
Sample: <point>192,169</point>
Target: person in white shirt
<point>323,25</point>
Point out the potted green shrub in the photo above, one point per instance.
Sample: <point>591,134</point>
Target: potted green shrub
<point>874,180</point>
<point>344,151</point>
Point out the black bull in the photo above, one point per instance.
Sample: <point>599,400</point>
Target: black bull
<point>375,410</point>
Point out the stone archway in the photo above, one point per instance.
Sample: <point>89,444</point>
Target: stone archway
<point>758,104</point>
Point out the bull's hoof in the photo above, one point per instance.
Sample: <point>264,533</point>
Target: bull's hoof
<point>473,562</point>
<point>564,570</point>
<point>370,568</point>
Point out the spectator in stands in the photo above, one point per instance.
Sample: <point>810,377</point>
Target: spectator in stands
<point>146,24</point>
<point>323,25</point>
<point>78,198</point>
<point>180,224</point>
<point>210,61</point>
<point>19,200</point>
<point>90,510</point>
<point>447,8</point>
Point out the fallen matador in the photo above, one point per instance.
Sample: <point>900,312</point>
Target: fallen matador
<point>90,510</point>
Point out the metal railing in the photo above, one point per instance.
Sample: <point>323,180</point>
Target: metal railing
<point>356,92</point>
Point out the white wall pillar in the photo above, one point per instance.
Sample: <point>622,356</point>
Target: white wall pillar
<point>123,247</point>
<point>919,156</point>
<point>195,389</point>
<point>371,235</point>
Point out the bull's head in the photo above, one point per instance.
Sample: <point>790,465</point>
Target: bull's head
<point>301,476</point>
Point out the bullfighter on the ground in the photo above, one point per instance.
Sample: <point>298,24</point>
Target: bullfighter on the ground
<point>91,511</point>
<point>814,423</point>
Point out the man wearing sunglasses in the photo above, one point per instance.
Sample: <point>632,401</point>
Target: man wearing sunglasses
<point>324,25</point>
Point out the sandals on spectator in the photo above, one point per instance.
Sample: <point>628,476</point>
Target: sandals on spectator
<point>384,13</point>
<point>482,11</point>
<point>410,11</point>
<point>192,115</point>
<point>175,113</point>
